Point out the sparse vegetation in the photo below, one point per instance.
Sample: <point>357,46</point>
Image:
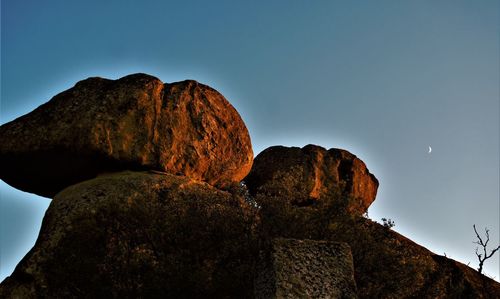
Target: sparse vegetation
<point>482,257</point>
<point>388,222</point>
<point>245,194</point>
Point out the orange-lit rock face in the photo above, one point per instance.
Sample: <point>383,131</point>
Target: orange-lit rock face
<point>312,173</point>
<point>135,122</point>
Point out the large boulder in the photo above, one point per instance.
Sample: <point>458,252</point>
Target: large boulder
<point>140,235</point>
<point>135,122</point>
<point>312,173</point>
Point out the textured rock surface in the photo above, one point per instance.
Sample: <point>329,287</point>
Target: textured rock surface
<point>140,235</point>
<point>386,264</point>
<point>389,265</point>
<point>308,174</point>
<point>306,269</point>
<point>157,235</point>
<point>152,235</point>
<point>135,122</point>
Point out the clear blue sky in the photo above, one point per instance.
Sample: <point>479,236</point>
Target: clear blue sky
<point>382,79</point>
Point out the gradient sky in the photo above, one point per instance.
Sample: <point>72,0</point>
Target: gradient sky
<point>382,79</point>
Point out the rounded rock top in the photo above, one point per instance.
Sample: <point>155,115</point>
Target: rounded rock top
<point>133,123</point>
<point>305,175</point>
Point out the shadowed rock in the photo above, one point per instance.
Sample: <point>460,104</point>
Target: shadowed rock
<point>312,173</point>
<point>153,235</point>
<point>305,269</point>
<point>135,122</point>
<point>386,264</point>
<point>140,235</point>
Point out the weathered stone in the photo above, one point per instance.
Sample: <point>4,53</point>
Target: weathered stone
<point>389,265</point>
<point>140,235</point>
<point>386,264</point>
<point>153,235</point>
<point>136,123</point>
<point>312,173</point>
<point>305,269</point>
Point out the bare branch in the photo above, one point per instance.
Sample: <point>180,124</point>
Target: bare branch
<point>484,245</point>
<point>478,254</point>
<point>487,237</point>
<point>493,252</point>
<point>478,236</point>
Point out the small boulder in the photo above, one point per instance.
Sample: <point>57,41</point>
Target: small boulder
<point>134,123</point>
<point>312,173</point>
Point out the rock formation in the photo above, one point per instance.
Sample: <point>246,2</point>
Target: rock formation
<point>135,122</point>
<point>140,235</point>
<point>137,167</point>
<point>386,264</point>
<point>312,173</point>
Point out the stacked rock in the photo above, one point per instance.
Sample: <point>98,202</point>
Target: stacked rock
<point>137,171</point>
<point>131,165</point>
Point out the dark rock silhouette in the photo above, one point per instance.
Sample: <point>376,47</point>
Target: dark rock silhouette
<point>140,235</point>
<point>137,168</point>
<point>312,173</point>
<point>386,264</point>
<point>135,122</point>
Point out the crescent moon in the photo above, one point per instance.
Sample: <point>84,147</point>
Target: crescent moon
<point>430,149</point>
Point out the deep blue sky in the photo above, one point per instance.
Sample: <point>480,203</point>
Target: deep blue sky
<point>382,79</point>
